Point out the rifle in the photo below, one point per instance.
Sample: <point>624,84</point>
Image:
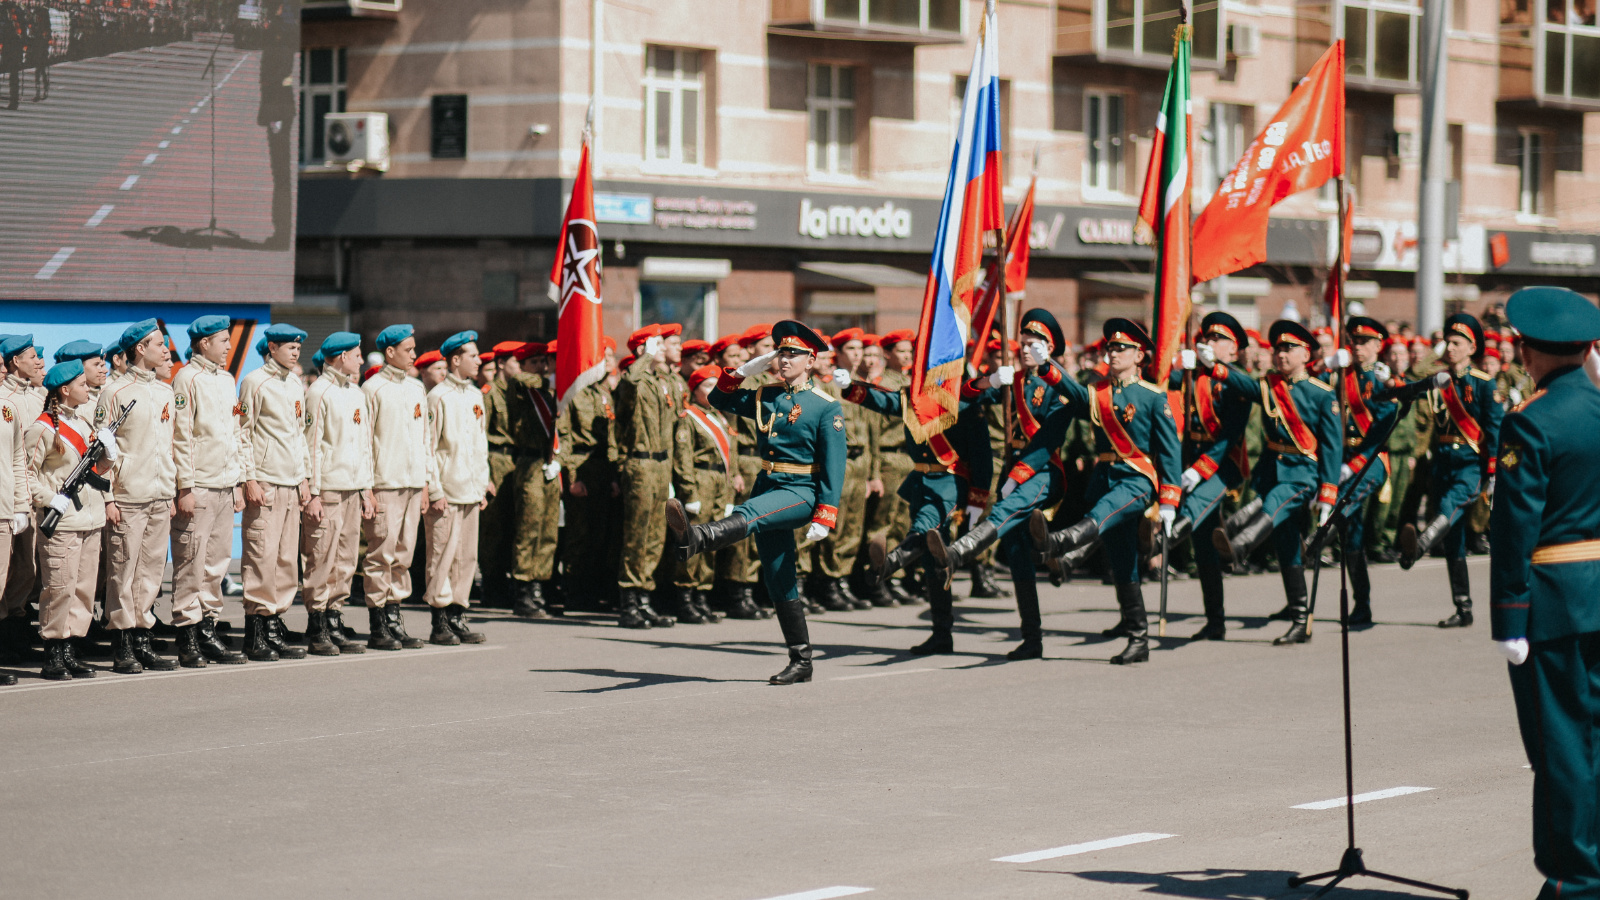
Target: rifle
<point>82,475</point>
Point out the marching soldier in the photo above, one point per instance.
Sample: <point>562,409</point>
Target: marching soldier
<point>402,470</point>
<point>1368,422</point>
<point>802,453</point>
<point>1403,448</point>
<point>1545,577</point>
<point>22,388</point>
<point>534,431</point>
<point>703,465</point>
<point>647,410</point>
<point>1466,432</point>
<point>458,492</point>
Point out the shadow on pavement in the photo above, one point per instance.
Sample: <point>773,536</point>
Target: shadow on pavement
<point>640,679</point>
<point>1230,884</point>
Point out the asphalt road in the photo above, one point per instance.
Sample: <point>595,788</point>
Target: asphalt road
<point>572,759</point>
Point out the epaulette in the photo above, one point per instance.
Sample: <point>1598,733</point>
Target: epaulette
<point>1321,384</point>
<point>1481,374</point>
<point>822,393</point>
<point>1153,386</point>
<point>1526,403</point>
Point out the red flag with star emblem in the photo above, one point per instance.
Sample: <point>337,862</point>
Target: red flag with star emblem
<point>575,286</point>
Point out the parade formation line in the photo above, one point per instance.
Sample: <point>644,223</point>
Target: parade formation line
<point>1339,802</point>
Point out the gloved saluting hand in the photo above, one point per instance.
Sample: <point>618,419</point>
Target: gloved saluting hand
<point>1188,358</point>
<point>1336,360</point>
<point>652,346</point>
<point>841,378</point>
<point>1035,353</point>
<point>1206,355</point>
<point>757,365</point>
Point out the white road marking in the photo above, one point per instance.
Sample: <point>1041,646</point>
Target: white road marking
<point>49,269</point>
<point>178,130</point>
<point>824,893</point>
<point>194,109</point>
<point>185,121</point>
<point>1339,802</point>
<point>99,216</point>
<point>163,145</point>
<point>1090,847</point>
<point>881,674</point>
<point>129,182</point>
<point>150,159</point>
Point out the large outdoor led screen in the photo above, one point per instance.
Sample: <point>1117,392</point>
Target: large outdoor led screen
<point>147,150</point>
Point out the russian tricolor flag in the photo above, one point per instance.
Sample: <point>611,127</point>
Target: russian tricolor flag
<point>972,206</point>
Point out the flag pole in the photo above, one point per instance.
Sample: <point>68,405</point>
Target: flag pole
<point>1188,378</point>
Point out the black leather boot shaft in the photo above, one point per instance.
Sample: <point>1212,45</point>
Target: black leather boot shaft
<point>378,636</point>
<point>397,628</point>
<point>969,545</point>
<point>336,633</point>
<point>941,612</point>
<point>55,666</point>
<point>1032,646</point>
<point>1460,593</point>
<point>1243,542</point>
<point>1211,597</point>
<point>1414,546</point>
<point>278,637</point>
<point>904,555</point>
<point>1242,516</point>
<point>1294,589</point>
<point>318,641</point>
<point>792,622</point>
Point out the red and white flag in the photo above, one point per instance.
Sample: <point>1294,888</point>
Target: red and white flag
<point>575,286</point>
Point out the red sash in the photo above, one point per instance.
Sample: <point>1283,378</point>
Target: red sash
<point>1459,415</point>
<point>1358,405</point>
<point>1203,404</point>
<point>545,415</point>
<point>1025,417</point>
<point>1103,414</point>
<point>714,430</point>
<point>1280,405</point>
<point>68,434</point>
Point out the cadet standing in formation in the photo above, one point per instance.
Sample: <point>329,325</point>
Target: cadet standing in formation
<point>339,442</point>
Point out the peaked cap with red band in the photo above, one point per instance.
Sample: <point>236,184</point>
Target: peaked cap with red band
<point>1127,331</point>
<point>793,335</point>
<point>1285,331</point>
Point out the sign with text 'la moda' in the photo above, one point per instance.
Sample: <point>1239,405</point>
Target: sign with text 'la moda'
<point>819,222</point>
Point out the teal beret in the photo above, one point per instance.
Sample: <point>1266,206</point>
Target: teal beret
<point>137,332</point>
<point>339,342</point>
<point>78,350</point>
<point>208,325</point>
<point>61,373</point>
<point>318,360</point>
<point>1554,315</point>
<point>15,344</point>
<point>394,334</point>
<point>284,333</point>
<point>261,346</point>
<point>456,341</point>
<point>112,349</point>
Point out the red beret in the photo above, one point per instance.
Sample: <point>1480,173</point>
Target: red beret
<point>637,339</point>
<point>723,343</point>
<point>870,339</point>
<point>848,335</point>
<point>1492,351</point>
<point>754,334</point>
<point>428,359</point>
<point>550,348</point>
<point>371,371</point>
<point>627,361</point>
<point>609,342</point>
<point>486,357</point>
<point>695,345</point>
<point>702,373</point>
<point>670,329</point>
<point>506,348</point>
<point>529,350</point>
<point>894,337</point>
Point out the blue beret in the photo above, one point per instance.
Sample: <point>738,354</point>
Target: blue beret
<point>208,325</point>
<point>1554,315</point>
<point>15,344</point>
<point>78,350</point>
<point>261,346</point>
<point>456,341</point>
<point>284,333</point>
<point>137,332</point>
<point>394,334</point>
<point>61,373</point>
<point>339,342</point>
<point>317,359</point>
<point>112,349</point>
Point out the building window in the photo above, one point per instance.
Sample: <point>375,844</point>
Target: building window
<point>831,105</point>
<point>1531,199</point>
<point>689,303</point>
<point>910,15</point>
<point>1229,129</point>
<point>1381,40</point>
<point>674,106</point>
<point>1104,165</point>
<point>1571,50</point>
<point>1138,28</point>
<point>322,88</point>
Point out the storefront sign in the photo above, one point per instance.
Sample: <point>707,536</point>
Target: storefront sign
<point>1544,253</point>
<point>864,221</point>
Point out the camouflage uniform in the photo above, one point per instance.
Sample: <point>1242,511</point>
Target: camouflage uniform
<point>889,514</point>
<point>647,411</point>
<point>1403,449</point>
<point>494,536</point>
<point>533,553</point>
<point>829,561</point>
<point>588,454</point>
<point>701,474</point>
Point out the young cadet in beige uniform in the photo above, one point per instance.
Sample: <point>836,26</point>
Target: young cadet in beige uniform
<point>15,502</point>
<point>22,387</point>
<point>339,440</point>
<point>460,486</point>
<point>402,469</point>
<point>143,486</point>
<point>272,455</point>
<point>56,440</point>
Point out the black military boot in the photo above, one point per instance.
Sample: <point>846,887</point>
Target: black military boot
<point>657,620</point>
<point>792,619</point>
<point>959,555</point>
<point>742,601</point>
<point>1460,593</point>
<point>825,591</point>
<point>628,613</point>
<point>319,641</point>
<point>702,605</point>
<point>1236,547</point>
<point>1130,599</point>
<point>1242,516</point>
<point>850,598</point>
<point>441,634</point>
<point>189,655</point>
<point>55,666</point>
<point>984,585</point>
<point>69,657</point>
<point>212,647</point>
<point>705,538</point>
<point>900,591</point>
<point>1414,546</point>
<point>683,608</point>
<point>1294,588</point>
<point>452,617</point>
<point>147,656</point>
<point>256,646</point>
<point>555,597</point>
<point>378,636</point>
<point>397,628</point>
<point>1032,646</point>
<point>941,610</point>
<point>123,662</point>
<point>1053,546</point>
<point>1216,627</point>
<point>339,634</point>
<point>529,600</point>
<point>1360,590</point>
<point>278,636</point>
<point>883,562</point>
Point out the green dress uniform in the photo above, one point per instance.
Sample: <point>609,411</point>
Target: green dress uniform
<point>703,463</point>
<point>1545,589</point>
<point>533,549</point>
<point>589,551</point>
<point>738,566</point>
<point>499,517</point>
<point>834,556</point>
<point>647,412</point>
<point>1385,513</point>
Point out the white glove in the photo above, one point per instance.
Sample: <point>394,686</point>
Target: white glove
<point>974,514</point>
<point>1324,513</point>
<point>1515,396</point>
<point>1515,650</point>
<point>841,377</point>
<point>1035,353</point>
<point>816,532</point>
<point>1382,371</point>
<point>1169,514</point>
<point>651,346</point>
<point>727,510</point>
<point>1191,477</point>
<point>1337,360</point>
<point>1488,489</point>
<point>1007,487</point>
<point>108,439</point>
<point>1345,474</point>
<point>758,365</point>
<point>692,509</point>
<point>551,470</point>
<point>1438,349</point>
<point>1206,354</point>
<point>61,503</point>
<point>1004,375</point>
<point>1188,359</point>
<point>1591,364</point>
<point>19,523</point>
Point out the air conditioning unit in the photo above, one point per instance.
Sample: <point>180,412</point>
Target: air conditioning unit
<point>357,140</point>
<point>1244,39</point>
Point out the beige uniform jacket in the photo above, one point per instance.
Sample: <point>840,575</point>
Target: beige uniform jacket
<point>144,470</point>
<point>338,434</point>
<point>458,441</point>
<point>50,460</point>
<point>272,436</point>
<point>400,457</point>
<point>13,461</point>
<point>28,400</point>
<point>205,441</point>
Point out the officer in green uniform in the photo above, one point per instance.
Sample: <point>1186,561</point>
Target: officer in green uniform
<point>703,463</point>
<point>1545,580</point>
<point>498,518</point>
<point>802,453</point>
<point>589,462</point>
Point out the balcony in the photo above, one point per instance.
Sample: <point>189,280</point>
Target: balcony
<point>1380,41</point>
<point>1550,53</point>
<point>894,21</point>
<point>1137,32</point>
<point>349,9</point>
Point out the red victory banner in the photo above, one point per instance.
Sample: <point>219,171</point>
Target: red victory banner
<point>575,286</point>
<point>1300,149</point>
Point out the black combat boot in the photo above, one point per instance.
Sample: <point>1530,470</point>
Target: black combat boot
<point>705,538</point>
<point>256,646</point>
<point>69,657</point>
<point>1054,546</point>
<point>1236,546</point>
<point>397,628</point>
<point>883,562</point>
<point>657,620</point>
<point>792,619</point>
<point>1032,646</point>
<point>1460,593</point>
<point>1360,590</point>
<point>529,600</point>
<point>55,666</point>
<point>442,635</point>
<point>984,585</point>
<point>123,661</point>
<point>1294,588</point>
<point>378,636</point>
<point>1216,627</point>
<point>146,655</point>
<point>452,617</point>
<point>340,635</point>
<point>319,641</point>
<point>683,608</point>
<point>849,596</point>
<point>1414,546</point>
<point>189,655</point>
<point>1242,516</point>
<point>702,605</point>
<point>941,610</point>
<point>278,636</point>
<point>741,601</point>
<point>628,614</point>
<point>959,554</point>
<point>555,597</point>
<point>1130,599</point>
<point>824,591</point>
<point>212,646</point>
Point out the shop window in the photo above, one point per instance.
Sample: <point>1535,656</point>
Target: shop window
<point>690,304</point>
<point>1571,51</point>
<point>322,91</point>
<point>1532,198</point>
<point>1104,125</point>
<point>674,106</point>
<point>831,107</point>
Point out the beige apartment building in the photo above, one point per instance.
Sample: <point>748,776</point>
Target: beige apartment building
<point>760,159</point>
